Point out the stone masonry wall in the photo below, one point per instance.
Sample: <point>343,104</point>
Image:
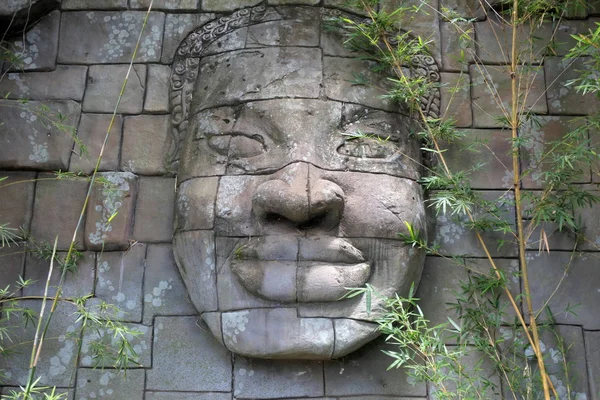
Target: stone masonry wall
<point>75,60</point>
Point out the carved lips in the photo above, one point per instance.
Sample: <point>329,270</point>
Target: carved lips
<point>299,269</point>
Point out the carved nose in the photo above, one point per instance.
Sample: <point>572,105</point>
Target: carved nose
<point>298,202</point>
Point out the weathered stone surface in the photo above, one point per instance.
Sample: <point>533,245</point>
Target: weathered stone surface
<point>78,283</point>
<point>187,358</point>
<point>346,333</point>
<point>456,99</point>
<point>563,98</point>
<point>37,49</point>
<point>277,333</point>
<point>265,379</point>
<point>238,75</point>
<point>17,192</point>
<point>92,131</point>
<point>195,208</point>
<point>457,50</point>
<point>27,141</point>
<point>539,135</point>
<point>339,74</point>
<point>195,257</point>
<point>343,5</point>
<point>491,93</point>
<point>285,2</point>
<point>55,214</point>
<point>325,282</point>
<point>235,40</point>
<point>157,93</point>
<point>19,15</point>
<point>177,27</point>
<point>94,4</point>
<point>164,291</point>
<point>141,343</point>
<point>579,291</point>
<point>105,83</point>
<point>592,346</point>
<point>66,82</point>
<point>227,5</point>
<point>145,144</point>
<point>181,5</point>
<point>303,31</point>
<point>363,372</point>
<point>112,35</point>
<point>110,384</point>
<point>272,280</point>
<point>464,8</point>
<point>57,359</point>
<point>120,277</point>
<point>154,210</point>
<point>12,264</point>
<point>455,239</point>
<point>490,149</point>
<point>187,396</point>
<point>110,214</point>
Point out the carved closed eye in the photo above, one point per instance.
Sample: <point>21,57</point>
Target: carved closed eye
<point>238,145</point>
<point>368,147</point>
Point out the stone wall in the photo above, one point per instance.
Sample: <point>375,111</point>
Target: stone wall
<point>75,60</point>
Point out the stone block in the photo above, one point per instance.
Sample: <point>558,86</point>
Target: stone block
<point>181,5</point>
<point>105,83</point>
<point>29,141</point>
<point>164,291</point>
<point>177,27</point>
<point>187,396</point>
<point>12,264</point>
<point>575,301</point>
<point>68,394</point>
<point>108,384</point>
<point>154,210</point>
<point>197,248</point>
<point>56,365</point>
<point>187,358</point>
<point>491,93</point>
<point>564,98</point>
<point>539,135</point>
<point>269,379</point>
<point>92,131</point>
<point>120,278</point>
<point>17,192</point>
<point>145,144</point>
<point>592,346</point>
<point>302,77</point>
<point>343,5</point>
<point>110,214</point>
<point>66,82</point>
<point>141,342</point>
<point>455,238</point>
<point>54,213</point>
<point>464,8</point>
<point>488,149</point>
<point>458,45</point>
<point>456,98</point>
<point>227,5</point>
<point>288,32</point>
<point>196,203</point>
<point>286,2</point>
<point>157,93</point>
<point>364,371</point>
<point>78,283</point>
<point>37,49</point>
<point>94,4</point>
<point>112,35</point>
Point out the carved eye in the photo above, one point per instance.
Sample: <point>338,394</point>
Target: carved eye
<point>368,147</point>
<point>238,146</point>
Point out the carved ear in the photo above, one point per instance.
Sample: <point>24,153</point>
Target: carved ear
<point>14,22</point>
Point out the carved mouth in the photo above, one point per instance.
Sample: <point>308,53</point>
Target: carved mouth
<point>299,269</point>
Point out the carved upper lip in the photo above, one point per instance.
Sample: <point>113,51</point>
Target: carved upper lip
<point>299,269</point>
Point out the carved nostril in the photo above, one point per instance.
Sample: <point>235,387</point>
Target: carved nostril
<point>276,197</point>
<point>325,197</point>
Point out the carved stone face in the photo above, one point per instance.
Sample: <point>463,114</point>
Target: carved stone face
<point>290,191</point>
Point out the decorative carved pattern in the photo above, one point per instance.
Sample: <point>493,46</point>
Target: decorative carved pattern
<point>187,60</point>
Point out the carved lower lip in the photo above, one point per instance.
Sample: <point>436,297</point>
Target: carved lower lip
<point>300,281</point>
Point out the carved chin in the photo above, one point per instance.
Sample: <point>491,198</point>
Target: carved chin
<point>280,333</point>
